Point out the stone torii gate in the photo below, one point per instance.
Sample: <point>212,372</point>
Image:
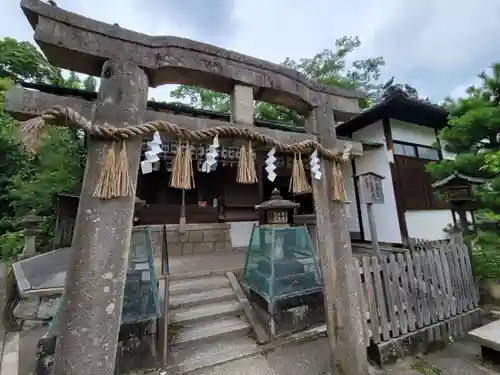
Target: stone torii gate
<point>128,64</point>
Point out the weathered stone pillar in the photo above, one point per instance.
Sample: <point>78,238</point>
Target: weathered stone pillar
<point>342,303</point>
<point>30,223</point>
<point>242,109</point>
<point>96,276</point>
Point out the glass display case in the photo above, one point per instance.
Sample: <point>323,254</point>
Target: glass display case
<point>281,263</point>
<point>141,299</point>
<point>281,267</point>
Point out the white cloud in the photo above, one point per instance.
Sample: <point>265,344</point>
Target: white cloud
<point>434,46</point>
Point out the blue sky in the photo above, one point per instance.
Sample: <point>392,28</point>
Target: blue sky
<point>437,46</point>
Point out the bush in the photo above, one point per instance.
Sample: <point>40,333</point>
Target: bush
<point>486,255</point>
<point>11,244</point>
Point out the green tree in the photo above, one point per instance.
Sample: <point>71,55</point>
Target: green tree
<point>329,67</point>
<point>29,181</point>
<point>471,135</point>
<point>21,60</point>
<point>90,83</point>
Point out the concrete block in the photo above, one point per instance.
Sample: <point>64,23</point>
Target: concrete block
<point>215,236</point>
<point>184,237</point>
<point>27,308</point>
<point>175,249</point>
<point>187,248</point>
<point>196,236</point>
<point>222,246</point>
<point>173,237</point>
<point>203,247</point>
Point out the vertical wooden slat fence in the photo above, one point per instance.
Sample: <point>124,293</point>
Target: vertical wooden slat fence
<point>407,292</point>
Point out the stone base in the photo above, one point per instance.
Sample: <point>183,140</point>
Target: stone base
<point>191,239</point>
<point>424,340</point>
<point>37,308</point>
<point>136,349</point>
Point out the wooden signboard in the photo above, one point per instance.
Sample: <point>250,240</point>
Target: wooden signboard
<point>371,188</point>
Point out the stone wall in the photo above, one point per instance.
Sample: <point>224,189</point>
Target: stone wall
<point>195,239</point>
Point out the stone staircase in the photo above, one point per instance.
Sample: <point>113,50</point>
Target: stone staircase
<point>207,324</point>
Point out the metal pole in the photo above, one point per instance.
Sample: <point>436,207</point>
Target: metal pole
<point>164,357</point>
<point>165,272</point>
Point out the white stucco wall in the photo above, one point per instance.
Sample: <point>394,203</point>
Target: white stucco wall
<point>428,224</point>
<point>351,208</point>
<point>377,161</point>
<point>240,233</point>
<point>407,132</point>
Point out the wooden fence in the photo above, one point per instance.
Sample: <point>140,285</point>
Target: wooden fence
<point>406,292</point>
<point>417,244</point>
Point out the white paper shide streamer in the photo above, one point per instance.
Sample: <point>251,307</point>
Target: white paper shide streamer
<point>211,161</point>
<point>154,148</point>
<point>270,166</point>
<point>314,164</point>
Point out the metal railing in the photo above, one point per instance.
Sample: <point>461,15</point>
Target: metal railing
<point>165,274</point>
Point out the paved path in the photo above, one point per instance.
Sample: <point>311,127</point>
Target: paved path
<point>312,358</point>
<point>10,354</point>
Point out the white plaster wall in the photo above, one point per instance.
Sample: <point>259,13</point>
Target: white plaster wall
<point>412,133</point>
<point>428,224</point>
<point>418,134</point>
<point>377,161</point>
<point>351,208</point>
<point>240,233</point>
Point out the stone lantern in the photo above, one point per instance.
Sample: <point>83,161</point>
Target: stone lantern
<point>30,224</point>
<point>276,209</point>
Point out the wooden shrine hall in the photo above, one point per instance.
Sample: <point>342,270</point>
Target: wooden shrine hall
<point>216,197</point>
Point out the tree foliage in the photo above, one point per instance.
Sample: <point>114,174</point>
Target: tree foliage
<point>474,123</point>
<point>29,181</point>
<point>328,67</point>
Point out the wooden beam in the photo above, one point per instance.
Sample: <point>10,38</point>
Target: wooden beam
<point>24,103</point>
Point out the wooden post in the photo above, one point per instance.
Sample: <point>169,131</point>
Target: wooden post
<point>373,229</point>
<point>341,293</point>
<point>96,276</point>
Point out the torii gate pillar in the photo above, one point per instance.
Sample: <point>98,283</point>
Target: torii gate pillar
<point>96,275</point>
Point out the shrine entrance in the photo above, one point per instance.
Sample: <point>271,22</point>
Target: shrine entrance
<point>128,63</point>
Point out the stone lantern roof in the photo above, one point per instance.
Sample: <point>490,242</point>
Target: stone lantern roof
<point>276,202</point>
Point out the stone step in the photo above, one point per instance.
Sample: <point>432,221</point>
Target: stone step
<point>210,331</point>
<point>200,298</point>
<point>200,313</point>
<point>198,285</point>
<point>199,356</point>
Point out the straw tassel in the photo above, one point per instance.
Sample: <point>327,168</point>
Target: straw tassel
<point>109,183</point>
<point>31,132</point>
<point>298,181</point>
<point>182,169</point>
<point>339,192</point>
<point>246,166</point>
<point>123,182</point>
